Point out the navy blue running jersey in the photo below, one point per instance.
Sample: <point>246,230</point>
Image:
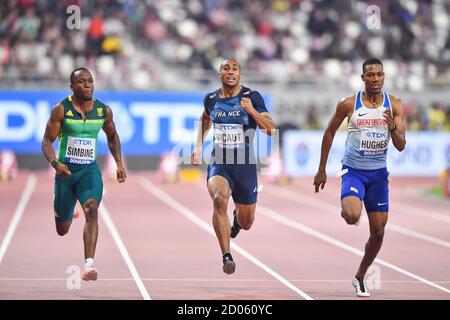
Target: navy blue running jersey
<point>234,129</point>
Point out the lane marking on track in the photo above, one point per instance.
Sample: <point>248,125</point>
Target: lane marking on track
<point>171,202</point>
<point>221,280</point>
<point>421,213</point>
<point>399,205</point>
<point>324,206</point>
<point>282,219</point>
<point>123,251</point>
<point>26,195</point>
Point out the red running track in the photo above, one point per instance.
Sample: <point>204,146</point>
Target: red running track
<point>156,242</point>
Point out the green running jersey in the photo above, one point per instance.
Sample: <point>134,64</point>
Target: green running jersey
<point>78,137</point>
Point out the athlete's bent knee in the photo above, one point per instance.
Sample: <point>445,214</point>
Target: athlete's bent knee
<point>350,218</point>
<point>377,234</point>
<point>247,224</point>
<point>61,231</point>
<point>91,210</point>
<point>220,202</point>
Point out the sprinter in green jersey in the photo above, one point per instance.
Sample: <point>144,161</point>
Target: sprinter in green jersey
<point>76,122</point>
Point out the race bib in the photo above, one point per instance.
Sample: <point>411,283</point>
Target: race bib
<point>373,143</point>
<point>228,135</point>
<point>80,150</point>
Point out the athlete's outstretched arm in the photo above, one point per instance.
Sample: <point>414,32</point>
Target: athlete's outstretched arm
<point>263,119</point>
<point>396,124</point>
<point>52,131</point>
<point>114,143</point>
<point>205,125</point>
<point>343,110</point>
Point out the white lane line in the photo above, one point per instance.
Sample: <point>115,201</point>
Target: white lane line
<point>398,205</point>
<point>319,235</point>
<point>429,214</point>
<point>418,235</point>
<point>171,202</point>
<point>221,280</point>
<point>26,195</point>
<point>333,209</point>
<point>123,251</point>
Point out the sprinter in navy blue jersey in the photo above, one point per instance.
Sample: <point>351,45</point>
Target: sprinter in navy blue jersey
<point>235,112</point>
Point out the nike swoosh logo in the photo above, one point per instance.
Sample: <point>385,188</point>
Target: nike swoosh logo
<point>382,204</point>
<point>361,115</point>
<point>212,96</point>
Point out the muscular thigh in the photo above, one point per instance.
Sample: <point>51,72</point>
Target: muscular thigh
<point>218,186</point>
<point>353,184</point>
<point>377,192</point>
<point>245,179</point>
<point>64,199</point>
<point>89,185</point>
<point>246,209</point>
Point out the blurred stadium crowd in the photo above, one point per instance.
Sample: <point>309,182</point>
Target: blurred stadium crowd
<point>152,44</point>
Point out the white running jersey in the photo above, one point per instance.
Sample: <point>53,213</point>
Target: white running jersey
<point>368,136</point>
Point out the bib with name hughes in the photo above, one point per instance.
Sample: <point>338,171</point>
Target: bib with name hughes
<point>368,136</point>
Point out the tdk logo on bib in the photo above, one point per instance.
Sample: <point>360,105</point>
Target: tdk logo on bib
<point>230,126</point>
<point>376,134</point>
<point>82,142</point>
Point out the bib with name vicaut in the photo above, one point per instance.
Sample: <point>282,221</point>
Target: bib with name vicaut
<point>229,135</point>
<point>229,119</point>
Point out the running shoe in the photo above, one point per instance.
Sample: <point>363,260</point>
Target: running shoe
<point>89,274</point>
<point>361,290</point>
<point>228,264</point>
<point>235,228</point>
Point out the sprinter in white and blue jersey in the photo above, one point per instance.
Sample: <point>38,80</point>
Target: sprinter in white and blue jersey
<point>374,117</point>
<point>235,112</point>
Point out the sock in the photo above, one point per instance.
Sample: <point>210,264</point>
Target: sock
<point>89,263</point>
<point>227,256</point>
<point>235,220</point>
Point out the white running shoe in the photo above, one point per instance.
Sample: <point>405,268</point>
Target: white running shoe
<point>360,287</point>
<point>89,274</point>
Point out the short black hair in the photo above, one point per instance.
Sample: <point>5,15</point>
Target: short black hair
<point>72,74</point>
<point>369,62</point>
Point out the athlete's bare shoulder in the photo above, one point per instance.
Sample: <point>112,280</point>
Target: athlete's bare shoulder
<point>346,104</point>
<point>57,113</point>
<point>397,107</point>
<point>348,100</point>
<point>59,106</point>
<point>394,99</point>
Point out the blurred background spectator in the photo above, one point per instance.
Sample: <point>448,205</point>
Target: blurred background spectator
<point>283,45</point>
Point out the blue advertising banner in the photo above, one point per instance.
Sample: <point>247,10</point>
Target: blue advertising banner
<point>148,123</point>
<point>426,154</point>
